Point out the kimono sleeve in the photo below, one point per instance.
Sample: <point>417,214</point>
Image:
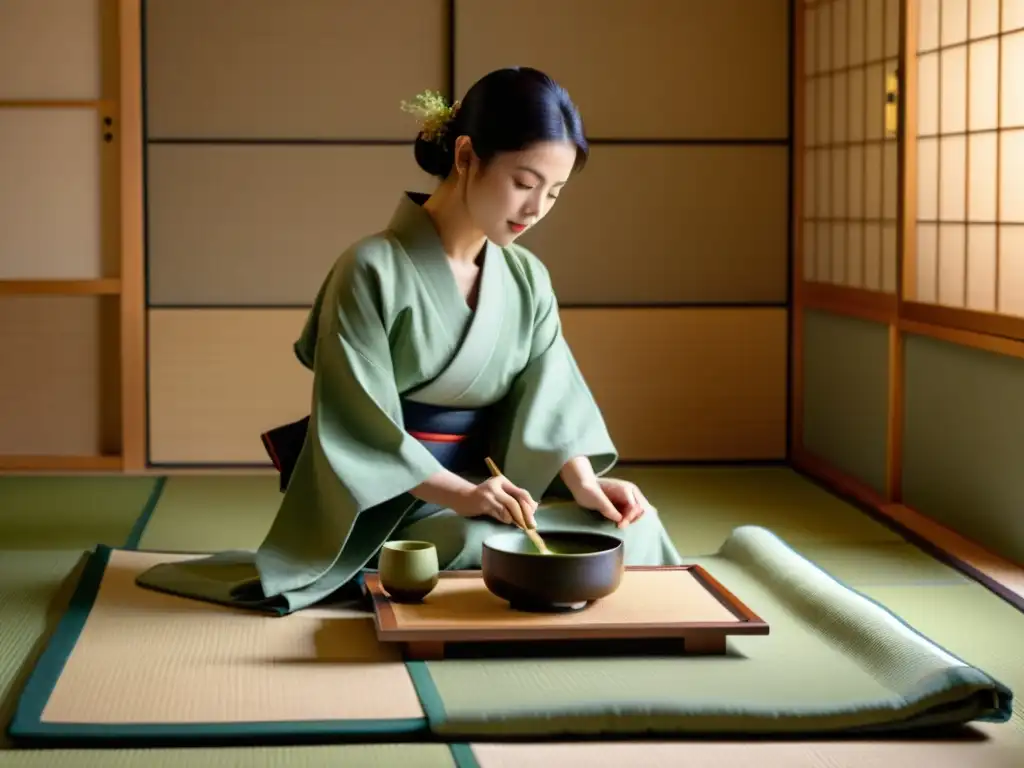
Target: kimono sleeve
<point>550,413</point>
<point>356,431</point>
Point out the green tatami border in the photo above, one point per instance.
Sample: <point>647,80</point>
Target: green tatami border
<point>27,727</point>
<point>139,528</point>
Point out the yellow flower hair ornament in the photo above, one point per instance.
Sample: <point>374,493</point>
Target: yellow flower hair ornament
<point>433,113</point>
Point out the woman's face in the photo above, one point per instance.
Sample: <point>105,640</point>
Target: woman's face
<point>516,189</point>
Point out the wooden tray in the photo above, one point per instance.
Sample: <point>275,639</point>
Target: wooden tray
<point>675,603</point>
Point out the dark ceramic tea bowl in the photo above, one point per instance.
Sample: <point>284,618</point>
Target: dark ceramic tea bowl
<point>583,567</point>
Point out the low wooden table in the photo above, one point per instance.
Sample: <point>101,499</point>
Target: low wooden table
<point>676,603</point>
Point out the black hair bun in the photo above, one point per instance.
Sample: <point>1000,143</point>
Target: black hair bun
<point>434,157</point>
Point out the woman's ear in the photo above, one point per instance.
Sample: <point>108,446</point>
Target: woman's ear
<point>464,155</point>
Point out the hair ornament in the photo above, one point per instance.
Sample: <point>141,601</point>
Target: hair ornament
<point>433,113</point>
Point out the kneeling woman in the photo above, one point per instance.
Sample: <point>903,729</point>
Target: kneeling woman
<point>434,344</point>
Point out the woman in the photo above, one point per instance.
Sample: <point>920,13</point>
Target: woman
<point>434,344</point>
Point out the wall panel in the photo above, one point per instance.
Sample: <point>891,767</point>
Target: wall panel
<point>296,69</point>
<point>650,224</point>
<point>845,394</point>
<point>50,49</point>
<point>648,68</point>
<point>258,224</point>
<point>673,383</point>
<point>51,194</point>
<point>58,391</point>
<point>963,446</point>
<point>220,377</point>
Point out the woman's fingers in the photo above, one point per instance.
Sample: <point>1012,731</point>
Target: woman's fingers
<point>526,503</point>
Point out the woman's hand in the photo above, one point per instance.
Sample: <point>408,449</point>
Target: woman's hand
<point>618,500</point>
<point>498,498</point>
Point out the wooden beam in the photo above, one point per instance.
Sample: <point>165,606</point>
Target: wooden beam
<point>996,344</point>
<point>854,302</point>
<point>133,289</point>
<point>110,286</point>
<point>12,464</point>
<point>98,104</point>
<point>986,323</point>
<point>796,336</point>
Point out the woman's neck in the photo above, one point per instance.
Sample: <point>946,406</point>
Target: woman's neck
<point>462,241</point>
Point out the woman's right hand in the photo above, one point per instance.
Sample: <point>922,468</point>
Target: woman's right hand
<point>498,498</point>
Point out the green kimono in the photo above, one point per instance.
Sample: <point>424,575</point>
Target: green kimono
<point>389,326</point>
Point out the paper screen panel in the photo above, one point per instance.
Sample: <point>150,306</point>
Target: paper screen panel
<point>50,49</point>
<point>263,225</point>
<point>1012,109</point>
<point>984,18</point>
<point>983,107</point>
<point>1013,15</point>
<point>301,69</point>
<point>852,207</point>
<point>698,224</point>
<point>678,384</point>
<point>672,383</point>
<point>953,22</point>
<point>58,391</point>
<point>1011,269</point>
<point>927,24</point>
<point>51,194</point>
<point>970,197</point>
<point>220,377</point>
<point>643,70</point>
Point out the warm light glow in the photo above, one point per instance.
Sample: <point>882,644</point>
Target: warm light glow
<point>1013,15</point>
<point>981,267</point>
<point>928,94</point>
<point>927,261</point>
<point>1011,269</point>
<point>981,190</point>
<point>952,243</point>
<point>953,76</point>
<point>984,85</point>
<point>952,172</point>
<point>1012,79</point>
<point>984,18</point>
<point>891,105</point>
<point>1011,177</point>
<point>927,25</point>
<point>954,22</point>
<point>927,179</point>
<point>850,156</point>
<point>969,247</point>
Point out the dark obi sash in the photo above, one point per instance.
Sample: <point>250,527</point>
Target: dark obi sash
<point>455,437</point>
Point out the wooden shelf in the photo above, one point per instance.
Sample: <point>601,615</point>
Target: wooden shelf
<point>109,286</point>
<point>99,104</point>
<point>60,463</point>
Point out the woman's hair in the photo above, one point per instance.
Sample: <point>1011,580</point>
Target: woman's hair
<point>506,111</point>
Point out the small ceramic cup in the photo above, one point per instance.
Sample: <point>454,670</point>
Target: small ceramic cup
<point>408,570</point>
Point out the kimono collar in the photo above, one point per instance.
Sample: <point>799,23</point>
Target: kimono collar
<point>413,225</point>
<point>415,230</point>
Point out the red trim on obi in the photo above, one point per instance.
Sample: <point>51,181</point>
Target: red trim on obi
<point>435,437</point>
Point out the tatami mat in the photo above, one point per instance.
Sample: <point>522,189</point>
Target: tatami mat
<point>43,512</point>
<point>700,506</point>
<point>32,586</point>
<point>348,756</point>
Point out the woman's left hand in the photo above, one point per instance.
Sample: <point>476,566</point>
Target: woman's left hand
<point>618,500</point>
